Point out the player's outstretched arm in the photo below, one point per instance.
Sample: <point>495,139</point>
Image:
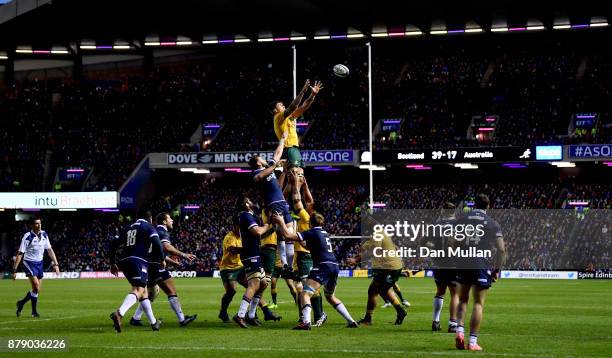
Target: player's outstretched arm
<point>168,247</point>
<point>298,99</point>
<point>278,152</point>
<point>308,199</point>
<point>284,230</point>
<point>308,102</point>
<point>261,230</point>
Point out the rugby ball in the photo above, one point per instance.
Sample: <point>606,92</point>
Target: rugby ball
<point>341,70</point>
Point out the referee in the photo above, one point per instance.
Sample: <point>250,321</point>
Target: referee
<point>32,249</point>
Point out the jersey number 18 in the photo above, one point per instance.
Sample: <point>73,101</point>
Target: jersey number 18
<point>131,237</point>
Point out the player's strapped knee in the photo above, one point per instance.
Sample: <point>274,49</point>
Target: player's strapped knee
<point>309,290</point>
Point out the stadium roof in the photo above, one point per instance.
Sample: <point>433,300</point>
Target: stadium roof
<point>47,23</point>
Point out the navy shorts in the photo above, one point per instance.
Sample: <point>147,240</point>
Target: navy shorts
<point>253,268</point>
<point>326,275</point>
<point>157,274</point>
<point>33,269</point>
<point>477,277</point>
<point>281,207</point>
<point>136,271</point>
<point>445,276</point>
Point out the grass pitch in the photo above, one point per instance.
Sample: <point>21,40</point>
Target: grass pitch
<point>523,318</point>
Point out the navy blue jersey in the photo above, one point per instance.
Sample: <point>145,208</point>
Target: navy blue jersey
<point>441,242</point>
<point>250,241</point>
<point>140,241</point>
<point>164,236</point>
<point>269,187</point>
<point>486,241</point>
<point>319,245</point>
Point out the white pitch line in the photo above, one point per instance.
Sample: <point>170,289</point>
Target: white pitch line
<point>26,320</point>
<point>352,351</point>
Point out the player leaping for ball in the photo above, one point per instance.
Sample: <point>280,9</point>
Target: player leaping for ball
<point>324,272</point>
<point>285,120</point>
<point>158,275</point>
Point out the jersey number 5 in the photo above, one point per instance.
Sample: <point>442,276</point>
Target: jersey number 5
<point>131,237</point>
<point>329,247</point>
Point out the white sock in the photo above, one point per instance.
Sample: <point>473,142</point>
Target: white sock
<point>473,339</point>
<point>138,314</point>
<point>459,329</point>
<point>253,306</point>
<point>244,306</point>
<point>306,313</point>
<point>175,304</point>
<point>344,312</point>
<point>146,306</point>
<point>289,253</point>
<point>34,294</point>
<point>438,302</point>
<point>282,250</point>
<point>128,302</point>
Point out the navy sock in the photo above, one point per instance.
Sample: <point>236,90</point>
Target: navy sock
<point>26,298</point>
<point>34,302</point>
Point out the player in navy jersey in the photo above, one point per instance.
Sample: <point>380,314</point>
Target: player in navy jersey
<point>251,232</point>
<point>136,246</point>
<point>482,273</point>
<point>32,249</point>
<point>272,194</point>
<point>324,272</point>
<point>445,275</point>
<point>159,275</point>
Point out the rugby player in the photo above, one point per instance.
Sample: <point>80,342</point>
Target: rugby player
<point>482,273</point>
<point>232,273</point>
<point>130,254</point>
<point>251,232</point>
<point>285,119</point>
<point>385,273</point>
<point>160,276</point>
<point>271,192</point>
<point>324,272</point>
<point>302,262</point>
<point>32,249</point>
<point>445,276</point>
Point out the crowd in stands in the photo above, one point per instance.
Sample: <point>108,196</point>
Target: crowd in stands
<point>556,236</point>
<point>110,125</point>
<point>535,93</point>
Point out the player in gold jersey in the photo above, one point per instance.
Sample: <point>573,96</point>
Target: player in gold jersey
<point>386,272</point>
<point>285,120</point>
<point>302,262</point>
<point>232,273</point>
